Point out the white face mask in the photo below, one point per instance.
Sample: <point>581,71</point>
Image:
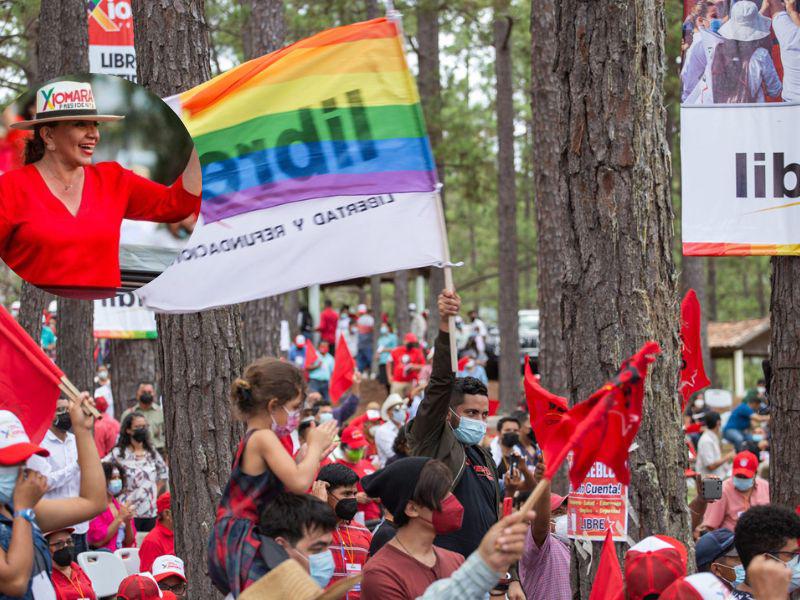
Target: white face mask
<point>698,403</point>
<point>761,389</point>
<point>561,529</point>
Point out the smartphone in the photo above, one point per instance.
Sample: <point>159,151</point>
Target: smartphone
<point>513,462</point>
<point>712,489</point>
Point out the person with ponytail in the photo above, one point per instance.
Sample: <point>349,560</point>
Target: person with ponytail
<point>60,215</point>
<point>268,398</point>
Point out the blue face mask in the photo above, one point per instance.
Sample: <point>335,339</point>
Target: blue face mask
<point>321,567</point>
<point>742,484</point>
<point>740,574</point>
<point>757,437</point>
<point>115,486</point>
<point>794,565</point>
<point>325,417</point>
<point>8,480</point>
<point>469,431</point>
<point>714,25</point>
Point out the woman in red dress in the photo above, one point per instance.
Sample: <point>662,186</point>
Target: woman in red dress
<point>60,215</point>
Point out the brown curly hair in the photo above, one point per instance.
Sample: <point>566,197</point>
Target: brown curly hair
<point>264,380</point>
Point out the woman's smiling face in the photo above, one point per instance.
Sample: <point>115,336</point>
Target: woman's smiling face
<point>73,141</point>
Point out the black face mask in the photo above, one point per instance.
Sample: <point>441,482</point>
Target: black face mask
<point>63,422</point>
<point>346,509</point>
<point>63,557</point>
<point>510,440</point>
<point>146,398</point>
<point>140,435</point>
<point>411,346</point>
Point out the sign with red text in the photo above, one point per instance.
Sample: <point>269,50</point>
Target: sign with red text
<point>111,50</point>
<point>598,503</point>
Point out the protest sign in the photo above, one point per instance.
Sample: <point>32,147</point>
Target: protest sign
<point>316,168</point>
<point>111,49</point>
<point>597,503</point>
<point>123,317</point>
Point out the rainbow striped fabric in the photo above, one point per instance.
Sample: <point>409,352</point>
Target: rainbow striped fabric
<point>336,114</point>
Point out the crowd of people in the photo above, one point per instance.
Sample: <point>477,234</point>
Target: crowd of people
<point>412,497</point>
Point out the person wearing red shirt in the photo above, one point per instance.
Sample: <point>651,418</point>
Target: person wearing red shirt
<point>350,453</point>
<point>69,580</point>
<point>60,215</point>
<point>161,540</point>
<point>106,428</point>
<point>351,541</point>
<point>404,363</point>
<point>328,321</point>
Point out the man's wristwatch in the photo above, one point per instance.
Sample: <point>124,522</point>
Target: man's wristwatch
<point>27,514</point>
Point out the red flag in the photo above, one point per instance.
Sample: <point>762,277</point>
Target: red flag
<point>602,427</point>
<point>28,379</point>
<point>311,356</point>
<point>608,580</point>
<point>693,373</point>
<point>343,367</point>
<point>546,411</point>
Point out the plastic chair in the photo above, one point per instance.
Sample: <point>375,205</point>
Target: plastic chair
<point>105,570</point>
<point>130,558</point>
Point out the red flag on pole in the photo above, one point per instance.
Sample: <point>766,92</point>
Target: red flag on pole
<point>693,373</point>
<point>29,380</point>
<point>602,427</point>
<point>608,580</point>
<point>546,411</point>
<point>311,357</point>
<point>343,367</point>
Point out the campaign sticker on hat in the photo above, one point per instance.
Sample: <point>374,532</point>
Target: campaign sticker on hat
<point>745,464</point>
<point>15,445</point>
<point>167,565</point>
<point>353,437</point>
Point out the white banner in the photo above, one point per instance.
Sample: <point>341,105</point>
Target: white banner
<point>111,49</point>
<point>123,317</point>
<point>740,168</point>
<point>291,246</point>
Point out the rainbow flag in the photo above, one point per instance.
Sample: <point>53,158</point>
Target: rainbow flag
<point>336,114</point>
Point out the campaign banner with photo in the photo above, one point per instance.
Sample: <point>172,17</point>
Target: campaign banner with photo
<point>316,168</point>
<point>111,49</point>
<point>123,317</point>
<point>600,502</point>
<point>740,83</point>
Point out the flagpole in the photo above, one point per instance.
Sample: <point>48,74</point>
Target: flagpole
<point>448,276</point>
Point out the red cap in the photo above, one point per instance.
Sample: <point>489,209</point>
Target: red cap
<point>556,501</point>
<point>101,404</point>
<point>462,362</point>
<point>138,587</point>
<point>163,502</point>
<point>699,586</point>
<point>353,437</point>
<point>652,565</point>
<point>745,464</point>
<point>67,529</point>
<point>410,338</point>
<point>15,445</point>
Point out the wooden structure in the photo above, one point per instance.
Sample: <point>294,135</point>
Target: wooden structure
<point>736,340</point>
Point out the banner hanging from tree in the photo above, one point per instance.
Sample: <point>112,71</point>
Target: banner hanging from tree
<point>316,168</point>
<point>740,160</point>
<point>111,49</point>
<point>599,504</point>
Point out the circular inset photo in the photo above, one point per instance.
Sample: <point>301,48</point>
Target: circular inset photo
<point>99,186</point>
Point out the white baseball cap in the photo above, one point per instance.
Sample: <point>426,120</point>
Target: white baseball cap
<point>167,565</point>
<point>15,445</point>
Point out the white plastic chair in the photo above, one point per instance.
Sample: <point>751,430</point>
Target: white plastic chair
<point>130,558</point>
<point>105,570</point>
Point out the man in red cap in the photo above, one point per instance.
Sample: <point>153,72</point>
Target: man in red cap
<point>106,428</point>
<point>141,587</point>
<point>161,540</point>
<point>170,575</point>
<point>351,453</point>
<point>739,493</point>
<point>652,565</point>
<point>404,363</point>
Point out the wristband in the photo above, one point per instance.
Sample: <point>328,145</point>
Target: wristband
<point>27,514</point>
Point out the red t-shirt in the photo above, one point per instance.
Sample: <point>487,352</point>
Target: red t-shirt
<point>158,542</point>
<point>76,587</point>
<point>363,468</point>
<point>47,246</point>
<point>350,549</point>
<point>328,321</point>
<point>394,575</point>
<point>400,370</point>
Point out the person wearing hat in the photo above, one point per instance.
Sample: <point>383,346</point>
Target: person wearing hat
<point>24,554</point>
<point>365,323</point>
<point>141,586</point>
<point>404,363</point>
<point>340,486</point>
<point>350,453</point>
<point>161,539</point>
<point>715,553</point>
<point>170,575</point>
<point>297,353</point>
<point>423,507</point>
<point>739,493</point>
<point>394,414</point>
<point>699,586</point>
<point>60,215</point>
<point>69,580</point>
<point>652,565</point>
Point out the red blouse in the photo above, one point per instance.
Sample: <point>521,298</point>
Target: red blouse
<point>75,588</point>
<point>49,247</point>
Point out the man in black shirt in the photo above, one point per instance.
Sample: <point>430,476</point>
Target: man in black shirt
<point>450,425</point>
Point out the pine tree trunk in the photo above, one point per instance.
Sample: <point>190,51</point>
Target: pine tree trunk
<point>606,167</point>
<point>712,290</point>
<point>694,276</point>
<point>401,317</point>
<point>32,301</point>
<point>201,353</point>
<point>63,43</point>
<point>430,92</point>
<point>783,398</point>
<point>261,319</point>
<point>75,346</point>
<point>132,362</point>
<point>508,304</point>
